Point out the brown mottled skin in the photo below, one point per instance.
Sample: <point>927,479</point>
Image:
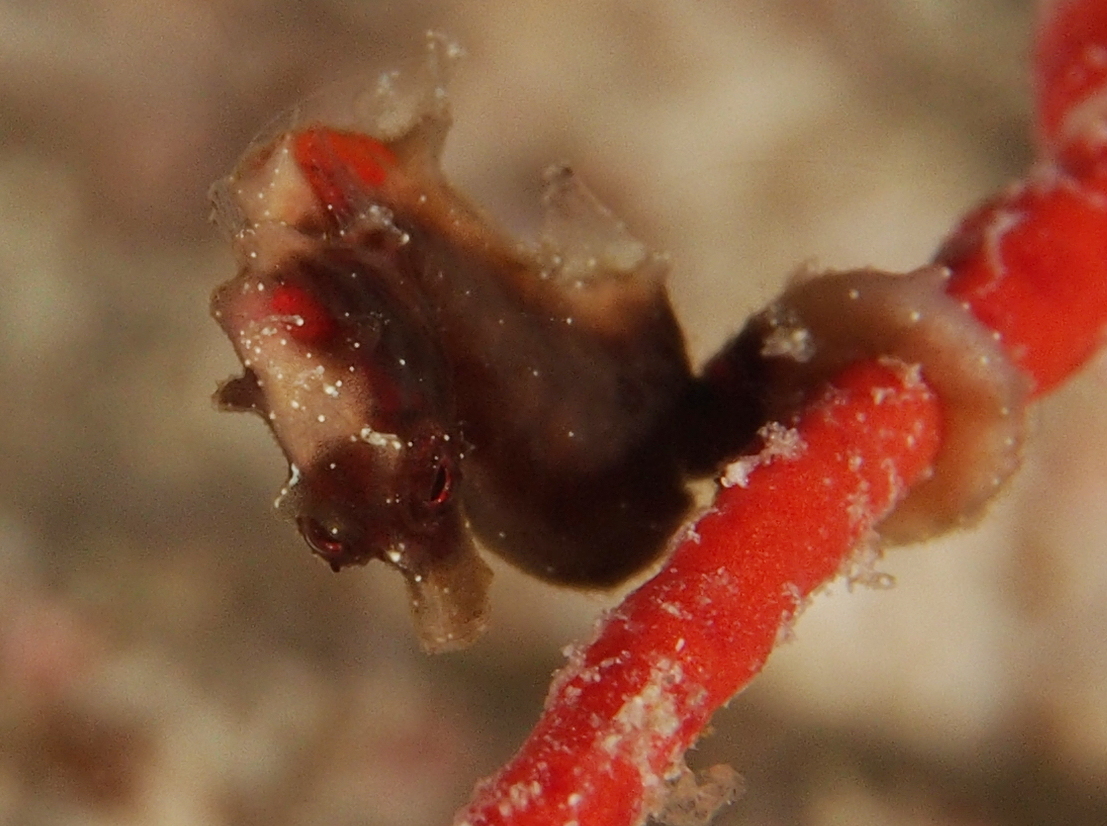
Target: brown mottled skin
<point>545,403</point>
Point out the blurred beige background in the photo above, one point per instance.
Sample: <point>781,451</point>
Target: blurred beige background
<point>169,651</point>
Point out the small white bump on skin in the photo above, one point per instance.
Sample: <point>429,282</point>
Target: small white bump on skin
<point>378,439</point>
<point>293,481</point>
<point>790,342</point>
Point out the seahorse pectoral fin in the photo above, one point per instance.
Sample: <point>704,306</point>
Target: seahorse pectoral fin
<point>582,240</point>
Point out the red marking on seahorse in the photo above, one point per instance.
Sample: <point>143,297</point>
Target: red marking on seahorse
<point>306,319</point>
<point>338,163</point>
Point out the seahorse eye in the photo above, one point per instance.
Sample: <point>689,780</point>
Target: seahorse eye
<point>327,541</point>
<point>442,487</point>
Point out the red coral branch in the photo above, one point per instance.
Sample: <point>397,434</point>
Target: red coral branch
<point>1032,265</point>
<point>1032,262</point>
<point>1070,65</point>
<point>621,715</point>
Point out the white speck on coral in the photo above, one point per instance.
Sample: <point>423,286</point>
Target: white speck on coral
<point>695,802</point>
<point>781,442</point>
<point>882,394</point>
<point>737,473</point>
<point>674,610</point>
